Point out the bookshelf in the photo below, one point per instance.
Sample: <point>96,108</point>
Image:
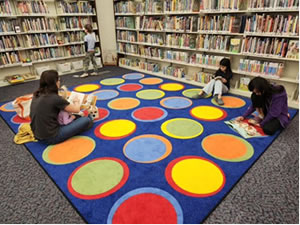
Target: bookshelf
<point>188,38</point>
<point>37,34</point>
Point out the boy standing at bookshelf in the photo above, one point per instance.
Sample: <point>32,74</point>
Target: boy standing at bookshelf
<point>89,44</point>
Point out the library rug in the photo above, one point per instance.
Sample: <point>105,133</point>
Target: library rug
<point>153,155</point>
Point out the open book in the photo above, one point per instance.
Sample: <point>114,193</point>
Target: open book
<point>245,129</point>
<point>85,101</point>
<point>75,95</point>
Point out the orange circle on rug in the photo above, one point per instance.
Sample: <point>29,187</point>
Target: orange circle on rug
<point>115,129</point>
<point>230,102</point>
<point>151,81</point>
<point>171,87</point>
<point>69,151</point>
<point>208,113</point>
<point>87,87</point>
<point>123,103</point>
<point>205,178</point>
<point>236,149</point>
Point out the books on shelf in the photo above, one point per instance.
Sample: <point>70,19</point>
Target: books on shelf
<point>5,8</point>
<point>244,81</point>
<point>125,22</point>
<point>293,50</point>
<point>149,23</point>
<point>127,48</point>
<point>126,36</point>
<point>235,44</point>
<point>265,46</point>
<point>273,24</point>
<point>181,23</point>
<point>9,42</point>
<point>203,77</point>
<point>150,52</point>
<point>38,24</point>
<point>222,5</point>
<point>182,5</point>
<point>272,4</point>
<point>64,7</point>
<point>74,22</point>
<point>181,40</point>
<point>125,7</point>
<point>151,38</point>
<point>46,53</point>
<point>173,71</point>
<point>154,6</point>
<point>218,42</point>
<point>10,58</point>
<point>36,40</point>
<point>32,7</point>
<point>259,67</point>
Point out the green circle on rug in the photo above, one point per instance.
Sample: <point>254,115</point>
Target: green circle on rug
<point>97,177</point>
<point>182,128</point>
<point>192,92</point>
<point>236,149</point>
<point>112,81</point>
<point>150,94</point>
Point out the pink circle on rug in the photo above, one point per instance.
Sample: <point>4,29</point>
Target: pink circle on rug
<point>130,87</point>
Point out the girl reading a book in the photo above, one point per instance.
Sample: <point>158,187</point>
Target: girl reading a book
<point>271,104</point>
<point>45,107</point>
<point>220,84</point>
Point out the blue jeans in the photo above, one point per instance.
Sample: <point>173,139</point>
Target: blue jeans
<point>77,126</point>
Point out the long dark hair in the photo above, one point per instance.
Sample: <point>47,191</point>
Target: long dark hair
<point>226,62</point>
<point>264,87</point>
<point>48,82</point>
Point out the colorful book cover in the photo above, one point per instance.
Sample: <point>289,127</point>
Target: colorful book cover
<point>293,50</point>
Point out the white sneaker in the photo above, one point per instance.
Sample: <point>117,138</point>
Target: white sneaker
<point>84,75</point>
<point>94,74</point>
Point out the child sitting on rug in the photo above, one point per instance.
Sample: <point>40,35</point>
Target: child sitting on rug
<point>220,84</point>
<point>270,101</point>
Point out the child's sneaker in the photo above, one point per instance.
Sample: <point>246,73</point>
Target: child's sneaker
<point>94,74</point>
<point>202,95</point>
<point>84,75</point>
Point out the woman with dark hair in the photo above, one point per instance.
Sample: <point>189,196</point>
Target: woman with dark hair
<point>220,84</point>
<point>45,107</point>
<point>271,103</point>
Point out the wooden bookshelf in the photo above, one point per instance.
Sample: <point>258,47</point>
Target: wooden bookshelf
<point>288,78</point>
<point>63,45</point>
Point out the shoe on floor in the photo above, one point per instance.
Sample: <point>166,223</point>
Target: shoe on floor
<point>84,75</point>
<point>94,74</point>
<point>219,101</point>
<point>197,96</point>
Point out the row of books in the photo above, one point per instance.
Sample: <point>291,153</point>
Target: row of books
<point>37,24</point>
<point>75,7</point>
<point>9,58</point>
<point>148,66</point>
<point>69,37</point>
<point>273,4</point>
<point>229,23</point>
<point>181,5</point>
<point>151,38</point>
<point>218,5</point>
<point>36,40</point>
<point>202,77</point>
<point>32,7</point>
<point>182,23</point>
<point>75,22</point>
<point>150,52</point>
<point>125,7</point>
<point>7,42</point>
<point>174,71</point>
<point>126,36</point>
<point>261,67</point>
<point>279,24</point>
<point>5,7</point>
<point>149,23</point>
<point>127,48</point>
<point>125,22</point>
<point>154,6</point>
<point>271,46</point>
<point>218,42</point>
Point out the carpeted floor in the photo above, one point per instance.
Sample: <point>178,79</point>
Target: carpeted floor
<point>268,193</point>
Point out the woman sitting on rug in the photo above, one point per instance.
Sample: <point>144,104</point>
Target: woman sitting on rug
<point>270,102</point>
<point>220,84</point>
<point>45,107</point>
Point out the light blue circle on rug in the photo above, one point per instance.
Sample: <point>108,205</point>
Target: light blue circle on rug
<point>145,149</point>
<point>133,76</point>
<point>106,94</point>
<point>176,102</point>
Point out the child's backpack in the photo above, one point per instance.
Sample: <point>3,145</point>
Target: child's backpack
<point>22,106</point>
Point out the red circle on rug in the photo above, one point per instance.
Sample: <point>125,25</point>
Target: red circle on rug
<point>17,119</point>
<point>103,113</point>
<point>130,87</point>
<point>148,113</point>
<point>158,210</point>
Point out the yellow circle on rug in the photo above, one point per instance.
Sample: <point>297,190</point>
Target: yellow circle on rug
<point>112,81</point>
<point>123,103</point>
<point>208,113</point>
<point>151,81</point>
<point>230,102</point>
<point>204,178</point>
<point>182,128</point>
<point>117,128</point>
<point>172,87</point>
<point>87,87</point>
<point>69,151</point>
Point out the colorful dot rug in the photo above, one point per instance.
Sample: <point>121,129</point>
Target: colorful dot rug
<point>154,155</point>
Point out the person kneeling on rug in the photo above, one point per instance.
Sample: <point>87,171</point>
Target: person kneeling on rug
<point>45,107</point>
<point>220,84</point>
<point>271,104</point>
